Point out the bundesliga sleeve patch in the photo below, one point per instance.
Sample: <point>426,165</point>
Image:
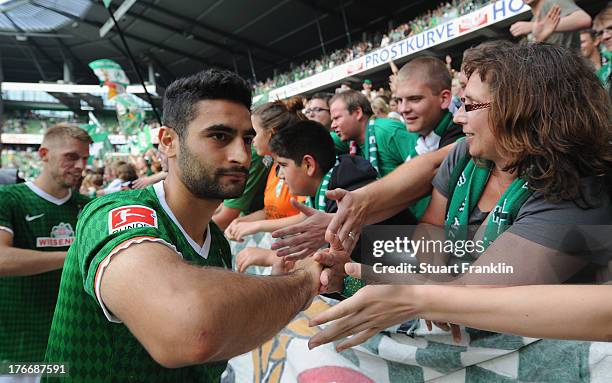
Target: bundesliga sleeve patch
<point>130,217</point>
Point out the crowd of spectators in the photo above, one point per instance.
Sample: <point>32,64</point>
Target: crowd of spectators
<point>29,122</point>
<point>121,172</point>
<point>430,19</point>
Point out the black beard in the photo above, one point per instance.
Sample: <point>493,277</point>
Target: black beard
<point>204,182</point>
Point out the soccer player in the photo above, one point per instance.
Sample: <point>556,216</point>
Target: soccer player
<point>37,225</point>
<point>144,296</point>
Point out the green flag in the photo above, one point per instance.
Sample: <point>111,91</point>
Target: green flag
<point>107,3</point>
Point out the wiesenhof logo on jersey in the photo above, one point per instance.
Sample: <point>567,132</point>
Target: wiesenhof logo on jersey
<point>130,217</point>
<point>61,235</point>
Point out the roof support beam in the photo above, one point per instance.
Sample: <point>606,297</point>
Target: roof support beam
<point>133,37</point>
<point>232,36</point>
<point>170,76</point>
<point>30,50</point>
<point>181,31</point>
<point>68,54</point>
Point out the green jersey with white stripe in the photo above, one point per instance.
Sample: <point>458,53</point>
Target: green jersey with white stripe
<point>37,221</point>
<point>84,334</point>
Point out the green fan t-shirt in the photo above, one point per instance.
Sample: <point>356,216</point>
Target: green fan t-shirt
<point>41,222</point>
<point>342,147</point>
<point>393,143</point>
<point>84,334</point>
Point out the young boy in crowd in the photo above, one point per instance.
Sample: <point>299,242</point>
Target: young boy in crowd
<point>308,165</point>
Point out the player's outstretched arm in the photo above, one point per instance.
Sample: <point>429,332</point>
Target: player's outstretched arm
<point>23,262</point>
<point>186,315</point>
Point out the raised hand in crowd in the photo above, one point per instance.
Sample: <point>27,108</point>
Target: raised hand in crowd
<point>143,182</point>
<point>371,310</point>
<point>544,27</point>
<point>521,28</point>
<point>302,239</point>
<point>236,231</point>
<point>393,77</point>
<point>347,222</point>
<point>333,258</point>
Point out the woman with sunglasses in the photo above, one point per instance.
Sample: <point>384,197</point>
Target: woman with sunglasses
<point>536,161</point>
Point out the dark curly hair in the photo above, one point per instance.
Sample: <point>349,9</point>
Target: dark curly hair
<point>549,115</point>
<point>210,84</point>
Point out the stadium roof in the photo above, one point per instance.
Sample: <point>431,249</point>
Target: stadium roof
<point>183,36</point>
<point>179,37</point>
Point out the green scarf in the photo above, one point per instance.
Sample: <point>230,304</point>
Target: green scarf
<point>432,144</point>
<point>604,72</point>
<point>318,202</point>
<point>352,285</point>
<point>467,191</point>
<point>370,147</point>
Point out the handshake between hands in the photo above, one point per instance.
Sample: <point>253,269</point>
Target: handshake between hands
<point>326,267</point>
<point>371,310</point>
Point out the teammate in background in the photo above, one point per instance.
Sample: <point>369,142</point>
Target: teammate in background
<point>37,222</point>
<point>143,292</point>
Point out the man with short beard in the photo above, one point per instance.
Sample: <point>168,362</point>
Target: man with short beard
<point>144,293</point>
<point>37,222</point>
<point>317,109</point>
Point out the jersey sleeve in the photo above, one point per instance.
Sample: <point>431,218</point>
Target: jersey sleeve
<point>7,210</point>
<point>106,227</point>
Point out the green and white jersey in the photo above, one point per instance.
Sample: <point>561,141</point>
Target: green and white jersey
<point>84,333</point>
<point>38,221</point>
